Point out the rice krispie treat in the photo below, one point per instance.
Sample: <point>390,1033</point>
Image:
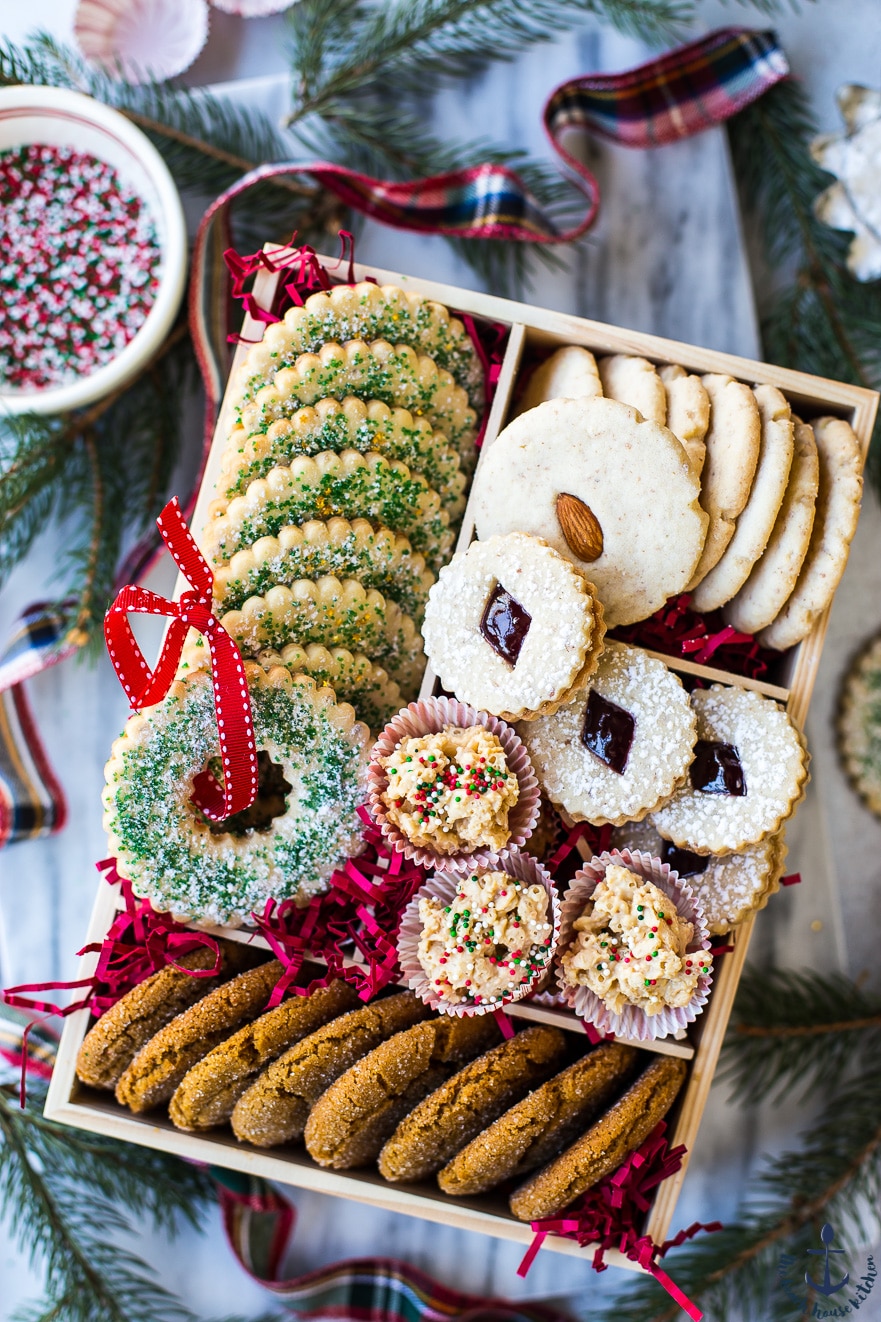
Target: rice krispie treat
<point>631,947</point>
<point>512,627</point>
<point>451,791</point>
<point>620,748</point>
<point>749,772</point>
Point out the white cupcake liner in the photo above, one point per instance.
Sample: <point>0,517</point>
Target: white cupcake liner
<point>443,885</point>
<point>429,717</point>
<point>633,1022</point>
<point>141,39</point>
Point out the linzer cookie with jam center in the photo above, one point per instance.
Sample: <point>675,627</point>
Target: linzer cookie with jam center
<point>620,747</point>
<point>749,773</point>
<point>512,627</point>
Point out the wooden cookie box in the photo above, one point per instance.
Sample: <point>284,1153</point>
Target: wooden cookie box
<point>68,1101</point>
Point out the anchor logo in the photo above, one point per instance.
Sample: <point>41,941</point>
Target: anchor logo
<point>827,1235</point>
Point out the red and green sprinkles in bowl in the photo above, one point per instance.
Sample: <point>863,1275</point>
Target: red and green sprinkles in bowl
<point>79,265</point>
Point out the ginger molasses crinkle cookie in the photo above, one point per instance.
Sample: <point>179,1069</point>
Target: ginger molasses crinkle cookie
<point>749,773</point>
<point>313,767</point>
<point>512,627</point>
<point>570,373</point>
<point>367,311</point>
<point>609,490</point>
<point>838,508</point>
<point>621,746</point>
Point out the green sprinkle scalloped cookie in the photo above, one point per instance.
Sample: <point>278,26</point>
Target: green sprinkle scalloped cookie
<point>199,871</point>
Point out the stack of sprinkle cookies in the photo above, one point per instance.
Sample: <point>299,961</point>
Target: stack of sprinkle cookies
<point>341,485</point>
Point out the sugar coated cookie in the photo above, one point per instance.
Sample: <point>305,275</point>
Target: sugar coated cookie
<point>353,678</point>
<point>460,1108</point>
<point>377,557</point>
<point>207,1093</point>
<point>688,411</point>
<point>512,627</point>
<point>569,373</point>
<point>773,577</point>
<point>219,873</point>
<point>749,772</point>
<point>276,1106</point>
<point>620,747</point>
<point>391,373</point>
<point>611,491</point>
<point>756,520</point>
<point>859,726</point>
<point>732,453</point>
<point>546,1121</point>
<point>159,1066</point>
<point>838,508</point>
<point>367,311</point>
<point>605,1145</point>
<point>634,381</point>
<point>351,1121</point>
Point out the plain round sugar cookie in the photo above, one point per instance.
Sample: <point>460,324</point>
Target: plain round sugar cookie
<point>755,523</point>
<point>570,373</point>
<point>838,508</point>
<point>859,726</point>
<point>619,748</point>
<point>632,522</point>
<point>512,627</point>
<point>634,381</point>
<point>182,863</point>
<point>732,453</point>
<point>749,773</point>
<point>774,575</point>
<point>688,411</point>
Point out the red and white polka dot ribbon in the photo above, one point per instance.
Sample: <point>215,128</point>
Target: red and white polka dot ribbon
<point>232,701</point>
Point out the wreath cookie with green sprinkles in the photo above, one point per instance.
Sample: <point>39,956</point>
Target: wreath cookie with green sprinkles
<point>859,726</point>
<point>312,757</point>
<point>355,679</point>
<point>392,373</point>
<point>347,485</point>
<point>377,557</point>
<point>368,311</point>
<point>347,424</point>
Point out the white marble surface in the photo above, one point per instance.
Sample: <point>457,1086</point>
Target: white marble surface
<point>665,257</point>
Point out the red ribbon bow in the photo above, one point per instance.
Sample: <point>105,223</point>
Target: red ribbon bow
<point>144,687</point>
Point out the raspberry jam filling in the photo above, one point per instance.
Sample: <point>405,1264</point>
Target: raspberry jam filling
<point>608,731</point>
<point>505,624</point>
<point>717,769</point>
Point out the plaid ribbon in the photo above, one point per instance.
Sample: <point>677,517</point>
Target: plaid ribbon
<point>259,1222</point>
<point>674,96</point>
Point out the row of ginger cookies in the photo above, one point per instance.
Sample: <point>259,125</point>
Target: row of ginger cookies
<point>753,511</point>
<point>341,487</point>
<point>388,1083</point>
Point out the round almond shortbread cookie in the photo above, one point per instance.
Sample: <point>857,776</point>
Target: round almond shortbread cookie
<point>732,453</point>
<point>347,485</point>
<point>546,1121</point>
<point>367,311</point>
<point>688,411</point>
<point>728,888</point>
<point>618,750</point>
<point>512,627</point>
<point>377,557</point>
<point>859,726</point>
<point>391,373</point>
<point>773,577</point>
<point>570,373</point>
<point>749,772</point>
<point>605,1145</point>
<point>347,424</point>
<point>838,508</point>
<point>634,381</point>
<point>756,520</point>
<point>183,863</point>
<point>611,491</point>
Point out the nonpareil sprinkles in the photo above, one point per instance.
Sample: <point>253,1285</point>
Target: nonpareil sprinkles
<point>78,265</point>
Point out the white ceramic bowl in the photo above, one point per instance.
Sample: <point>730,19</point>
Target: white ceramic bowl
<point>68,119</point>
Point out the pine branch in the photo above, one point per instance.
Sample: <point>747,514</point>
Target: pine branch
<point>796,1031</point>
